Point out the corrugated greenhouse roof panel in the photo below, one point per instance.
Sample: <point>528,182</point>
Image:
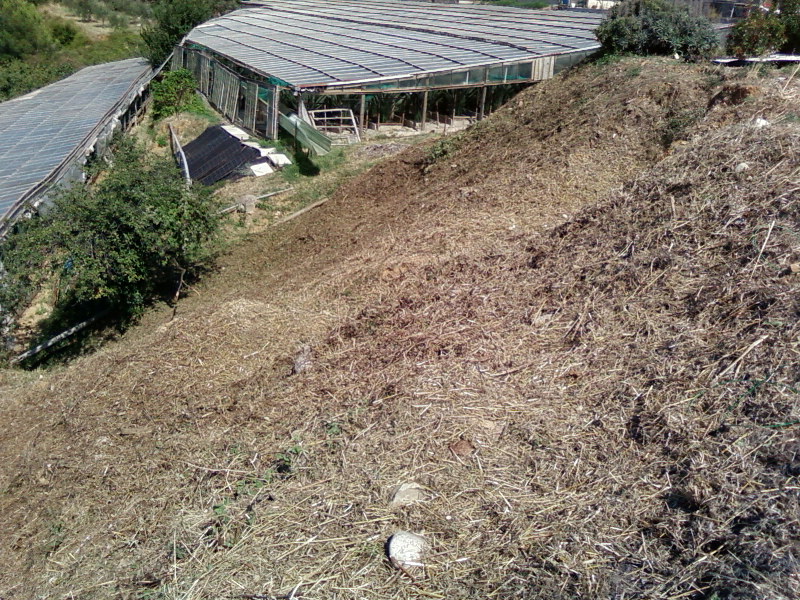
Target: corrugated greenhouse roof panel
<point>310,43</point>
<point>40,130</point>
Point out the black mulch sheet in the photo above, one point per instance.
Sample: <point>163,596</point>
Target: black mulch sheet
<point>217,155</point>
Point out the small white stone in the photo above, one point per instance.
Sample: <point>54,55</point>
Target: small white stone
<point>408,549</point>
<point>248,204</point>
<point>760,123</point>
<point>741,167</point>
<point>408,493</point>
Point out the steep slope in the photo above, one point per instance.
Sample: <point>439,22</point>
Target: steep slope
<point>573,328</point>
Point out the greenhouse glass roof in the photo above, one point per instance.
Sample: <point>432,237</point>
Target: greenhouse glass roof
<point>332,43</point>
<point>40,131</point>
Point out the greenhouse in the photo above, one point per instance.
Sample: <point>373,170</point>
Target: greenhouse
<point>253,61</point>
<point>47,136</point>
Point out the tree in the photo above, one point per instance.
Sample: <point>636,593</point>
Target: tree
<point>759,34</point>
<point>790,16</point>
<point>175,18</point>
<point>174,93</point>
<point>172,20</point>
<point>18,77</point>
<point>764,33</point>
<point>22,30</point>
<point>131,238</point>
<point>656,27</point>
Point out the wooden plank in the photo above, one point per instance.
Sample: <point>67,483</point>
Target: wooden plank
<point>204,69</point>
<point>276,100</point>
<point>424,109</point>
<point>250,104</point>
<point>177,59</point>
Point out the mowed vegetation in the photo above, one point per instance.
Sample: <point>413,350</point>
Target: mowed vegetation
<point>573,327</point>
<point>593,378</point>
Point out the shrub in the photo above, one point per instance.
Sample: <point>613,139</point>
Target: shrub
<point>117,245</point>
<point>22,30</point>
<point>62,30</point>
<point>759,34</point>
<point>18,77</point>
<point>790,16</point>
<point>118,20</point>
<point>173,94</point>
<point>656,27</point>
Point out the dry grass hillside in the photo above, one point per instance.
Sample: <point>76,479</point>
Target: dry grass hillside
<point>575,326</point>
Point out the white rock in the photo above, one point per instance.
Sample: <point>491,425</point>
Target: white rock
<point>408,493</point>
<point>408,549</point>
<point>760,123</point>
<point>248,204</point>
<point>741,167</point>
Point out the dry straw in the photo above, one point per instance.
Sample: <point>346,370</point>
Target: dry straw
<point>576,330</point>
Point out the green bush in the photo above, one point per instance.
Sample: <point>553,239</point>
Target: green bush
<point>763,33</point>
<point>759,34</point>
<point>174,93</point>
<point>656,27</point>
<point>63,31</point>
<point>172,19</point>
<point>117,245</point>
<point>18,77</point>
<point>118,20</point>
<point>790,16</point>
<point>22,30</point>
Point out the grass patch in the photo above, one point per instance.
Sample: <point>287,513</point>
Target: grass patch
<point>118,45</point>
<point>317,177</point>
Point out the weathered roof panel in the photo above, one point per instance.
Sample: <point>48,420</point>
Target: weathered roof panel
<point>40,130</point>
<point>310,43</point>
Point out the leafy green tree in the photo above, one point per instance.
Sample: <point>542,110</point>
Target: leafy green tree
<point>790,16</point>
<point>118,20</point>
<point>22,30</point>
<point>117,245</point>
<point>656,27</point>
<point>172,20</point>
<point>83,8</point>
<point>100,11</point>
<point>763,33</point>
<point>18,77</point>
<point>759,34</point>
<point>174,93</point>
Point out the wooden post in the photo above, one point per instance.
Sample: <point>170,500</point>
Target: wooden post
<point>424,109</point>
<point>276,107</point>
<point>362,114</point>
<point>481,110</point>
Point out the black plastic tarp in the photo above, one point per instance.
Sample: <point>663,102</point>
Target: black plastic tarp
<point>216,155</point>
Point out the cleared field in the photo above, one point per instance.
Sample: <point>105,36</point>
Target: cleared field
<point>574,325</point>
